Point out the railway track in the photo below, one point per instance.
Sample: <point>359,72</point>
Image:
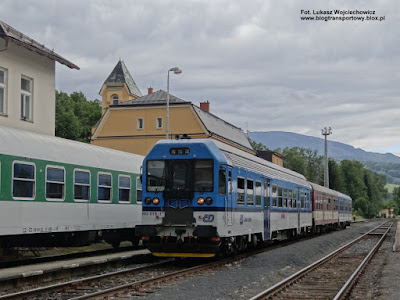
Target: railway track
<point>130,282</point>
<point>333,276</point>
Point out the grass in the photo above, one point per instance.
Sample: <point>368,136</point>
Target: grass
<point>391,186</point>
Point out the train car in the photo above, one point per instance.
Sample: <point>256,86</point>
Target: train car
<point>345,210</point>
<point>203,197</point>
<point>58,192</point>
<point>325,208</point>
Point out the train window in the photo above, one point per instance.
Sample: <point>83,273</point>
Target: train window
<point>302,200</point>
<point>258,193</point>
<point>280,196</point>
<point>240,191</point>
<point>138,189</point>
<point>266,189</point>
<point>203,175</point>
<point>290,195</point>
<point>285,202</point>
<point>23,180</point>
<point>124,188</point>
<point>230,183</point>
<point>250,192</point>
<point>104,188</point>
<point>274,195</point>
<point>81,185</point>
<point>55,183</point>
<point>294,198</point>
<point>222,182</point>
<point>155,178</point>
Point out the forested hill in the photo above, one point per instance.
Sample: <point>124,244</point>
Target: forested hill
<point>387,164</point>
<point>338,151</point>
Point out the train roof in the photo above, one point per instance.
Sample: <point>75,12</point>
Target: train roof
<point>326,190</point>
<point>239,158</point>
<point>323,189</point>
<point>24,143</point>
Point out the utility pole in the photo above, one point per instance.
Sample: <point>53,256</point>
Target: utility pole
<point>326,132</point>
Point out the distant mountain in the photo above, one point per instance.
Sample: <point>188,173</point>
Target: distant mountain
<point>387,163</point>
<point>336,150</point>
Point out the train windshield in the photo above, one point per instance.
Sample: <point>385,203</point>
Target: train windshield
<point>178,175</point>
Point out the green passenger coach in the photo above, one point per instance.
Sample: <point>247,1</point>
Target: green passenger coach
<point>58,192</point>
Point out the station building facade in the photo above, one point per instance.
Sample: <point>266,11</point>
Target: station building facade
<point>134,123</point>
<point>27,82</point>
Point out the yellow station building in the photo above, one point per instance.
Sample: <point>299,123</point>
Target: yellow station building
<point>134,123</point>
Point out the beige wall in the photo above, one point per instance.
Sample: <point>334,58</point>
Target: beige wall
<point>119,127</point>
<point>118,89</point>
<point>18,62</point>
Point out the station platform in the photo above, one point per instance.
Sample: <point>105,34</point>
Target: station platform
<point>23,272</point>
<point>396,245</point>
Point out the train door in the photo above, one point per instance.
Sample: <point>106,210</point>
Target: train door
<point>266,210</point>
<point>228,196</point>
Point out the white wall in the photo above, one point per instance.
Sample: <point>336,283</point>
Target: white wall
<point>19,61</point>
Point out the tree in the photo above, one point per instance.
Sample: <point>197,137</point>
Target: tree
<point>75,116</point>
<point>258,146</point>
<point>336,180</point>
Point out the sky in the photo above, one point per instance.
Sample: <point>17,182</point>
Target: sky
<point>261,66</point>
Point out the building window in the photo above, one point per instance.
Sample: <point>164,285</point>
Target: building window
<point>81,185</point>
<point>140,123</point>
<point>104,187</point>
<point>138,189</point>
<point>3,91</point>
<point>124,188</point>
<point>159,123</point>
<point>24,180</point>
<point>115,100</point>
<point>55,183</point>
<point>26,99</point>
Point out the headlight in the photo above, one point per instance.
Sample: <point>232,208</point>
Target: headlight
<point>147,200</point>
<point>208,201</point>
<point>200,201</point>
<point>156,201</point>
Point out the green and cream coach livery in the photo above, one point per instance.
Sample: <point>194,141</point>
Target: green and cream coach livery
<point>57,192</point>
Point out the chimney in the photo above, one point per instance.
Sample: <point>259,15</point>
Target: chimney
<point>149,90</point>
<point>205,106</point>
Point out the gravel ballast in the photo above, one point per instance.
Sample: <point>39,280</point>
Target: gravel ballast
<point>246,278</point>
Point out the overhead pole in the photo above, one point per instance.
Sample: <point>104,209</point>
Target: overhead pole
<point>326,132</point>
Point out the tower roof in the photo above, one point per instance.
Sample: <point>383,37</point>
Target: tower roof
<point>121,74</point>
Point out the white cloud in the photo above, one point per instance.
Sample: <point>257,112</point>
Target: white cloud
<point>256,61</point>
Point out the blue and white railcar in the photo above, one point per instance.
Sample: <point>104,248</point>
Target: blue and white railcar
<point>345,210</point>
<point>202,197</point>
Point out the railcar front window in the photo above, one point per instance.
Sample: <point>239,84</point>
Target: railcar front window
<point>24,181</point>
<point>179,175</point>
<point>203,175</point>
<point>155,176</point>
